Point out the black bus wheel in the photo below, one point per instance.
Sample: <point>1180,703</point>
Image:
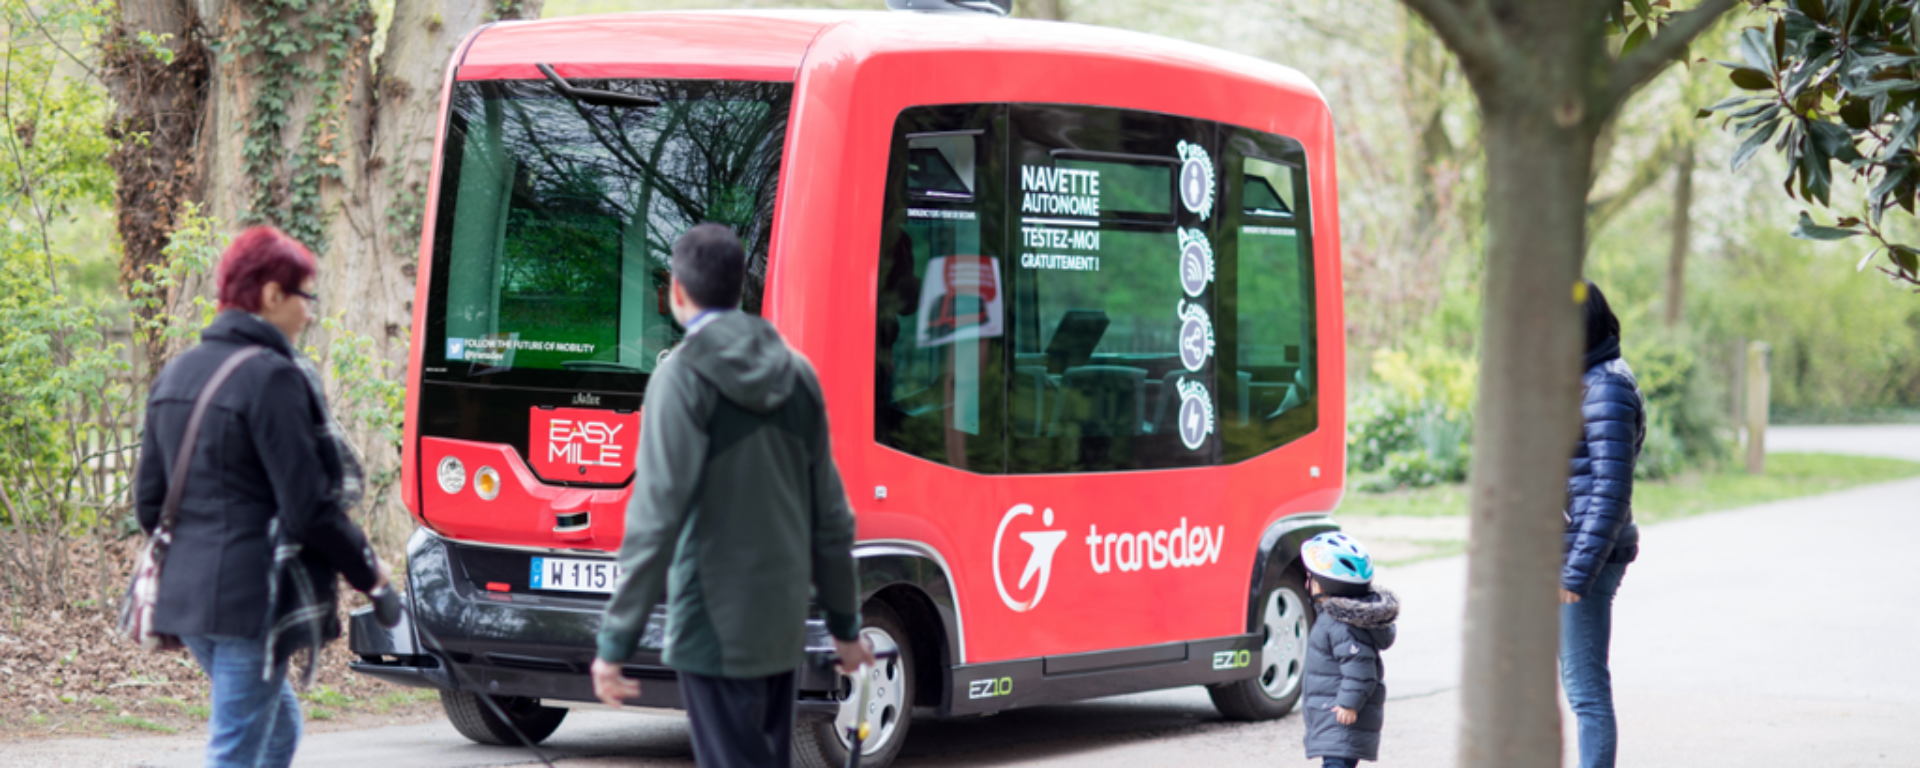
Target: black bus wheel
<point>1286,618</point>
<point>475,720</point>
<point>821,742</point>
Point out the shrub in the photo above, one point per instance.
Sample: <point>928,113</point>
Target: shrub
<point>1413,427</point>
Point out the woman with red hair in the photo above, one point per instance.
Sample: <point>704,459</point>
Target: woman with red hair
<point>259,523</point>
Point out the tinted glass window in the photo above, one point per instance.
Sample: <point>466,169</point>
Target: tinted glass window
<point>941,319</point>
<point>1112,360</point>
<point>1078,289</point>
<point>557,219</point>
<point>1266,287</point>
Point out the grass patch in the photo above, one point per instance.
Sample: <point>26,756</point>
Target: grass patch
<point>327,697</point>
<point>1788,476</point>
<point>140,723</point>
<point>319,713</point>
<point>402,698</point>
<point>1431,548</point>
<point>199,711</point>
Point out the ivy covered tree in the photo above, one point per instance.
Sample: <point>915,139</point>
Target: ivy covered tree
<point>290,113</point>
<point>1837,81</point>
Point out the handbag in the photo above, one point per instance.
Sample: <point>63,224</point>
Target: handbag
<point>136,609</point>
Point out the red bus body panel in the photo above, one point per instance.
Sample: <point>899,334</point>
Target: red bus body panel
<point>854,73</point>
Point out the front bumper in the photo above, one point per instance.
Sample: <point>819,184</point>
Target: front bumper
<point>459,636</point>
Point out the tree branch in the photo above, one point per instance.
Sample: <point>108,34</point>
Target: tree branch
<point>1647,173</point>
<point>1465,26</point>
<point>1635,69</point>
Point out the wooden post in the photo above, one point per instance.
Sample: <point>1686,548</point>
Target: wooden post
<point>1759,354</point>
<point>1736,403</point>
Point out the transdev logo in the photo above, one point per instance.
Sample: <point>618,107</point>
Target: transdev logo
<point>1043,544</point>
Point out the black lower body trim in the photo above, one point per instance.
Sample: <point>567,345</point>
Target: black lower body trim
<point>994,686</point>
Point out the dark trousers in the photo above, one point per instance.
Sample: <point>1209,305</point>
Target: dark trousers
<point>1339,762</point>
<point>740,723</point>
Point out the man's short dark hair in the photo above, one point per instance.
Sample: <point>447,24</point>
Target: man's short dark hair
<point>710,263</point>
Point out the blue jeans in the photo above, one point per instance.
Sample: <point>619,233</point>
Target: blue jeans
<point>1585,629</point>
<point>255,723</point>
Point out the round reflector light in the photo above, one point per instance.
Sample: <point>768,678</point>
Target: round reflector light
<point>453,475</point>
<point>486,482</point>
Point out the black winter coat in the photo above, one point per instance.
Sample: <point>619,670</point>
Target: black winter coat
<point>257,458</point>
<point>1599,512</point>
<point>1344,669</point>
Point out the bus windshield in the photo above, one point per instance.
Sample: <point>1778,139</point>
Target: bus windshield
<point>557,220</point>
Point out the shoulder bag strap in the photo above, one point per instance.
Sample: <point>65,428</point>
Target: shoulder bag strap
<point>177,482</point>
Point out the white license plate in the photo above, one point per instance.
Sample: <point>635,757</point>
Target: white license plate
<point>569,575</point>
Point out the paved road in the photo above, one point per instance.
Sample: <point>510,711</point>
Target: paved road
<point>1900,441</point>
<point>1732,647</point>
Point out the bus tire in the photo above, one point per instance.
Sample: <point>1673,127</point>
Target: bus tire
<point>1286,621</point>
<point>475,720</point>
<point>820,742</point>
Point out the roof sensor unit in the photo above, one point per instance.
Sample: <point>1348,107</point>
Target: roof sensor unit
<point>991,7</point>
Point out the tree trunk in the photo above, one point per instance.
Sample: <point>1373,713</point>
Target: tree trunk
<point>158,111</point>
<point>1526,422</point>
<point>306,133</point>
<point>1682,224</point>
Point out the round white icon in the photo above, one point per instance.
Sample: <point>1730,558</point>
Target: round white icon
<point>1196,336</point>
<point>1196,179</point>
<point>1196,261</point>
<point>1196,414</point>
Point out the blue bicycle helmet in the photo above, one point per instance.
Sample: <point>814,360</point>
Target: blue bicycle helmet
<point>1341,565</point>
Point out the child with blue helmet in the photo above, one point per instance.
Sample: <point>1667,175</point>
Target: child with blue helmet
<point>1344,695</point>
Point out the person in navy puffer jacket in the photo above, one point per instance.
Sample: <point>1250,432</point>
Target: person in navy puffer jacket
<point>1600,538</point>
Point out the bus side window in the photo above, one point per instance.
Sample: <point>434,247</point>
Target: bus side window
<point>1267,289</point>
<point>940,317</point>
<point>1113,361</point>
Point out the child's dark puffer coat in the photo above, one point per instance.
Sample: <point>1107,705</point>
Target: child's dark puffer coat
<point>1344,669</point>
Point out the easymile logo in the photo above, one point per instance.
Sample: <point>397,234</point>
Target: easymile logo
<point>1232,659</point>
<point>1181,547</point>
<point>568,439</point>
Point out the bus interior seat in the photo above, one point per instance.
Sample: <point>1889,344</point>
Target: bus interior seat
<point>1297,393</point>
<point>1104,400</point>
<point>1075,338</point>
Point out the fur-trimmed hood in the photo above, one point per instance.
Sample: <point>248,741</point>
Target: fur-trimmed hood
<point>1373,614</point>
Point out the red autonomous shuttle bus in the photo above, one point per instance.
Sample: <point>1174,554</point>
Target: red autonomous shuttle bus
<point>1073,295</point>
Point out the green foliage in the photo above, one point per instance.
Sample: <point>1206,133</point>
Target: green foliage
<point>66,395</point>
<point>193,249</point>
<point>1413,426</point>
<point>1843,81</point>
<point>1685,427</point>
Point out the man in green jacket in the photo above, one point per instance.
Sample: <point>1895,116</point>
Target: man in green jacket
<point>737,509</point>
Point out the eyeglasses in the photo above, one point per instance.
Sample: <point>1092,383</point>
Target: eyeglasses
<point>315,298</point>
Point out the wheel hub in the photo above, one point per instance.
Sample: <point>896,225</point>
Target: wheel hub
<point>1283,657</point>
<point>884,704</point>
